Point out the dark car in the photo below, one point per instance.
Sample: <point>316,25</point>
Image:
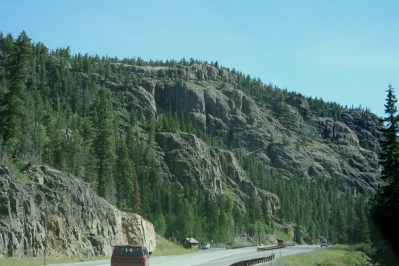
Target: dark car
<point>132,255</point>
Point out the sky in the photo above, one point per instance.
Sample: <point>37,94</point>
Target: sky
<point>340,51</point>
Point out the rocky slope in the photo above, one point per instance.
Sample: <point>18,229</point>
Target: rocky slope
<point>61,214</point>
<point>197,165</point>
<point>295,142</point>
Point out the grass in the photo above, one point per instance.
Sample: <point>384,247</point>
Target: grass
<point>283,236</point>
<point>16,167</point>
<point>333,256</point>
<point>164,248</point>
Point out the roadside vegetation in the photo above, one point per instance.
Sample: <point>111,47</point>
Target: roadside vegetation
<point>283,236</point>
<point>166,247</point>
<point>333,256</point>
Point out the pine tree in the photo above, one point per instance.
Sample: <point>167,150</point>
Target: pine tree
<point>137,206</point>
<point>13,111</point>
<point>297,233</point>
<point>88,133</point>
<point>389,145</point>
<point>76,155</point>
<point>385,209</point>
<point>104,145</point>
<point>353,222</point>
<point>254,209</point>
<point>362,230</point>
<point>55,155</point>
<point>339,226</point>
<point>124,178</point>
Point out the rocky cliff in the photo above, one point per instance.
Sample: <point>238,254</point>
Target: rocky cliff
<point>295,142</point>
<point>197,165</point>
<point>58,213</point>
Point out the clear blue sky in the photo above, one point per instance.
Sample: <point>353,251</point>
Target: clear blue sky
<point>341,51</point>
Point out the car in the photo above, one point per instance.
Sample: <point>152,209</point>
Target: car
<point>132,255</point>
<point>205,246</point>
<point>323,243</point>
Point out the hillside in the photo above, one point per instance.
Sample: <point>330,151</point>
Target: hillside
<point>195,148</point>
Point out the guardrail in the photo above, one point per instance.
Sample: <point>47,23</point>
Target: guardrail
<point>270,248</point>
<point>258,260</point>
<point>253,261</point>
<point>240,246</point>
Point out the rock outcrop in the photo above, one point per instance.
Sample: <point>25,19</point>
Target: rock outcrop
<point>294,142</point>
<point>197,165</point>
<point>58,214</point>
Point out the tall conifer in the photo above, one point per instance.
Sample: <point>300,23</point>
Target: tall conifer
<point>105,150</point>
<point>137,206</point>
<point>385,210</point>
<point>13,109</point>
<point>124,177</point>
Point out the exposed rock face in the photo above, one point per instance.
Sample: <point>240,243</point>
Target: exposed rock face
<point>196,164</point>
<point>78,222</point>
<point>294,142</point>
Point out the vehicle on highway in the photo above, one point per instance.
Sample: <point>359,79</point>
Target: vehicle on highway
<point>132,255</point>
<point>205,246</point>
<point>323,243</point>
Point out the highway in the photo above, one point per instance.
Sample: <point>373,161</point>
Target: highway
<point>212,257</point>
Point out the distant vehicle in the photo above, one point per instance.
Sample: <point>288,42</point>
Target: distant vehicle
<point>323,243</point>
<point>205,246</point>
<point>132,255</point>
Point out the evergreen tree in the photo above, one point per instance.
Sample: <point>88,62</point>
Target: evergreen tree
<point>76,154</point>
<point>13,111</point>
<point>254,209</point>
<point>339,226</point>
<point>104,144</point>
<point>297,233</point>
<point>88,133</point>
<point>389,145</point>
<point>385,210</point>
<point>353,223</point>
<point>137,206</point>
<point>160,224</point>
<point>124,178</point>
<point>362,230</point>
<point>55,150</point>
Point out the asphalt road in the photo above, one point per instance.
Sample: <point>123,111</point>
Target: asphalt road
<point>212,257</point>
